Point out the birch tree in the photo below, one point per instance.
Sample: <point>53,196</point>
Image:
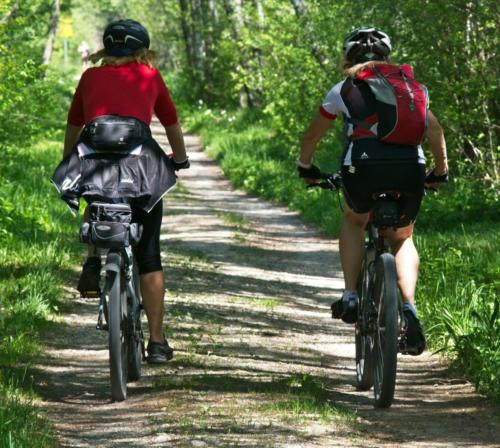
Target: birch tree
<point>54,21</point>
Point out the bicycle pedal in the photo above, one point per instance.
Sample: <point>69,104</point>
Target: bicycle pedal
<point>337,309</point>
<point>103,327</point>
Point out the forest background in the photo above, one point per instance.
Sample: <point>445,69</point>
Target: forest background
<point>248,75</point>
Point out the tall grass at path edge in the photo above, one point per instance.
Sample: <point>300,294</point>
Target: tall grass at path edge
<point>38,252</point>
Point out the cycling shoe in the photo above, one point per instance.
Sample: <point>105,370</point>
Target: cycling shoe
<point>345,310</point>
<point>159,352</point>
<point>413,341</point>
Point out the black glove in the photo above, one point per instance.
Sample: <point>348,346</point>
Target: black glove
<point>431,178</point>
<point>184,165</point>
<point>309,173</point>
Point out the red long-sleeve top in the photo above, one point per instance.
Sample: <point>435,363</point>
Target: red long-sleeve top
<point>132,89</point>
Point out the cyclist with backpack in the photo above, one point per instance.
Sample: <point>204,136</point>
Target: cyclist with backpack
<point>112,108</point>
<point>386,117</point>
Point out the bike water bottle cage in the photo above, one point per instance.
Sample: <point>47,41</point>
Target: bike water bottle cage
<point>385,212</point>
<point>110,226</point>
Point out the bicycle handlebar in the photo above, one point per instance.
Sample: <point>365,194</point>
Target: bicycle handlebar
<point>331,181</point>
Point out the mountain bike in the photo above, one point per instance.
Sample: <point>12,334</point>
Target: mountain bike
<point>120,307</point>
<point>380,325</point>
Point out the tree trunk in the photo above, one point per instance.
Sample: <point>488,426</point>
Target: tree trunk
<point>197,34</point>
<point>186,31</point>
<point>9,15</point>
<point>49,47</point>
<point>260,13</point>
<point>214,14</point>
<point>300,7</point>
<point>211,24</point>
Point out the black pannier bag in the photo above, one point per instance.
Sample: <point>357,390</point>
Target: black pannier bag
<point>115,133</point>
<point>110,226</point>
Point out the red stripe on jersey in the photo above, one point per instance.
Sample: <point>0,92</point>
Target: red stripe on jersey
<point>326,114</point>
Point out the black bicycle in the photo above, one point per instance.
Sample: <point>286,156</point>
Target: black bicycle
<point>120,307</point>
<point>380,327</point>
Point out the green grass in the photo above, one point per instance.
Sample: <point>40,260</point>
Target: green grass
<point>20,423</point>
<point>38,251</point>
<point>293,398</point>
<point>234,219</point>
<point>304,396</point>
<point>458,298</point>
<point>457,234</point>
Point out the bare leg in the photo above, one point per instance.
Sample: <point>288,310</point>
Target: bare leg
<point>407,260</point>
<point>351,245</point>
<point>153,293</point>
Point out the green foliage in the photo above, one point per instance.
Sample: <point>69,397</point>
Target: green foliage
<point>37,244</point>
<point>19,420</point>
<point>27,102</point>
<point>38,249</point>
<point>458,297</point>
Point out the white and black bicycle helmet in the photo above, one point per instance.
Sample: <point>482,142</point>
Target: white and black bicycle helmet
<point>124,37</point>
<point>366,44</point>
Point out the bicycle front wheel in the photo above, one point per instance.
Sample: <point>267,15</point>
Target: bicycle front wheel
<point>117,310</point>
<point>386,337</point>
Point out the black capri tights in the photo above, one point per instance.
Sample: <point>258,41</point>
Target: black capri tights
<point>147,252</point>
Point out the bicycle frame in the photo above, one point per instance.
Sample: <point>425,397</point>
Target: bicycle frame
<point>375,246</point>
<point>121,261</point>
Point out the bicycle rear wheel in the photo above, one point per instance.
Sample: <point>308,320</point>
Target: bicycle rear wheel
<point>363,336</point>
<point>386,337</point>
<point>135,335</point>
<point>117,310</point>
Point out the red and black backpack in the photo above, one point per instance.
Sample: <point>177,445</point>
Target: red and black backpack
<point>399,105</point>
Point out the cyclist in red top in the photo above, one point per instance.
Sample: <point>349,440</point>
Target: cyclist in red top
<point>370,165</point>
<point>127,84</point>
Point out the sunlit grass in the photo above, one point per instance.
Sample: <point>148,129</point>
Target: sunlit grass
<point>20,423</point>
<point>38,250</point>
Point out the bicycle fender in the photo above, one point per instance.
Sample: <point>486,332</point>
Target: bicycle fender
<point>113,262</point>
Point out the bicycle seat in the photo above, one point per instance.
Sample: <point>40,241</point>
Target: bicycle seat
<point>385,212</point>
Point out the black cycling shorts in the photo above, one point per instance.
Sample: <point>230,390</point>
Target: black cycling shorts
<point>403,176</point>
<point>147,252</point>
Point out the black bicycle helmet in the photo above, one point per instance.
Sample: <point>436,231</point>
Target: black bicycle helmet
<point>124,37</point>
<point>367,44</point>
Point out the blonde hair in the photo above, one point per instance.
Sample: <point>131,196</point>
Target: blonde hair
<point>141,56</point>
<point>352,70</point>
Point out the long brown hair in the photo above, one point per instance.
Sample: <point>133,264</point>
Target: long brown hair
<point>352,69</point>
<point>141,56</point>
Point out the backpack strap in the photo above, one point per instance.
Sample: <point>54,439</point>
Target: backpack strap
<point>366,128</point>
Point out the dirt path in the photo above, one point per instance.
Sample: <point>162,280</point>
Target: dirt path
<point>258,361</point>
